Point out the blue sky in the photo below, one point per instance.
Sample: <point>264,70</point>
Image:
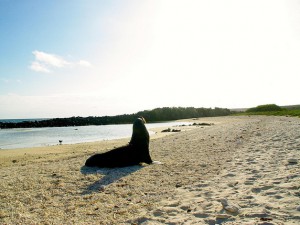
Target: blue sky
<point>94,58</point>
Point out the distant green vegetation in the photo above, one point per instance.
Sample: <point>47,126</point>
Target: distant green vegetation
<point>265,108</point>
<point>272,110</point>
<point>155,115</point>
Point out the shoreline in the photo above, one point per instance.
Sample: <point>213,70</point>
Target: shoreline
<point>10,156</point>
<point>241,159</point>
<point>46,136</point>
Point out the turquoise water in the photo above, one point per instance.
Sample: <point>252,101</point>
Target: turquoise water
<point>36,137</point>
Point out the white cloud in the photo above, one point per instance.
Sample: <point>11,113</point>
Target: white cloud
<point>84,63</point>
<point>38,67</point>
<point>50,59</point>
<point>45,62</point>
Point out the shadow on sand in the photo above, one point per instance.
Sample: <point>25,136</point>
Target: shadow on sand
<point>111,175</point>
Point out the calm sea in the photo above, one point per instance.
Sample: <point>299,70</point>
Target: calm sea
<point>21,120</point>
<point>36,137</point>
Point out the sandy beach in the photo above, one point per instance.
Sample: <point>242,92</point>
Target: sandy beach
<point>240,170</point>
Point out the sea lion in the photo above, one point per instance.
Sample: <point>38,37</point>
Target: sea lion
<point>137,151</point>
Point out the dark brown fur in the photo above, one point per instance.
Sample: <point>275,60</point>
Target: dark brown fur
<point>137,151</point>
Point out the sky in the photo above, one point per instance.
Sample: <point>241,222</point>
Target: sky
<point>61,58</point>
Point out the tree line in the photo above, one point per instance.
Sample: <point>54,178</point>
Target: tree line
<point>155,115</point>
<point>265,108</point>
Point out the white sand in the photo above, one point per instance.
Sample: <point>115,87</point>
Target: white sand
<point>243,160</point>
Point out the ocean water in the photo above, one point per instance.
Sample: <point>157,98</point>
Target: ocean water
<point>20,120</point>
<point>36,137</point>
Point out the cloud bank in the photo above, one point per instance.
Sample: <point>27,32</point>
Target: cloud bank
<point>46,62</point>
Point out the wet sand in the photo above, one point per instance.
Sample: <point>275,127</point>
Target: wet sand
<point>241,170</point>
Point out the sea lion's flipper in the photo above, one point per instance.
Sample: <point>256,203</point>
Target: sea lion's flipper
<point>157,162</point>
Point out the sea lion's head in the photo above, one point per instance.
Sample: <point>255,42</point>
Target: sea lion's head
<point>139,123</point>
<point>139,131</point>
<point>142,119</point>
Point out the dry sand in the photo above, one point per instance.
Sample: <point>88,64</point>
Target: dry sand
<point>241,170</point>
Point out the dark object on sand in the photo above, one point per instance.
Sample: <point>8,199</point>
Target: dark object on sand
<point>137,151</point>
<point>202,124</point>
<point>170,130</point>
